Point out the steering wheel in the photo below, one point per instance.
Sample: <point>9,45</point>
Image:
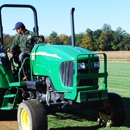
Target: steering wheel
<point>35,39</point>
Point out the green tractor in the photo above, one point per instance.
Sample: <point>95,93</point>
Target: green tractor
<point>62,78</point>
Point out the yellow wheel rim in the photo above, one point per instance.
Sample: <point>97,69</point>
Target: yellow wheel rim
<point>103,116</point>
<point>25,120</point>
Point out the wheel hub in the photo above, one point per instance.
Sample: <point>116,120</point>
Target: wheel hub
<point>25,120</point>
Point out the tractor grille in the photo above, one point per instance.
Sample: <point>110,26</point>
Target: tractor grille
<point>67,72</point>
<point>88,69</point>
<point>88,82</point>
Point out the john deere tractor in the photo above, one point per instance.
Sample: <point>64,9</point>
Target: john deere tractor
<point>62,78</point>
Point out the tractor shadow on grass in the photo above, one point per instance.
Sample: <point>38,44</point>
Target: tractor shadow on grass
<point>88,115</point>
<point>79,116</point>
<point>77,128</point>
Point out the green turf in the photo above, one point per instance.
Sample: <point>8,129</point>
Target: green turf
<point>118,82</point>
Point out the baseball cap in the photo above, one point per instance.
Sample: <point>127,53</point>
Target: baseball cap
<point>18,25</point>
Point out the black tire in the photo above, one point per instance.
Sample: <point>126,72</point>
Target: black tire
<point>113,112</point>
<point>31,115</point>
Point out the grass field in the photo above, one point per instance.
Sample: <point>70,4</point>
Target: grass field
<point>118,82</point>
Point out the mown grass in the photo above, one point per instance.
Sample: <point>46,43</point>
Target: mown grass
<point>118,82</point>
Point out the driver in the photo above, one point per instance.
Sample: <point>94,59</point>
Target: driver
<point>20,41</point>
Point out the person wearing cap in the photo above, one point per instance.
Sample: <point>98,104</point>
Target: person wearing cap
<point>20,41</point>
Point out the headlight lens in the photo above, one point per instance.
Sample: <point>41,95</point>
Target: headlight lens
<point>2,55</point>
<point>96,65</point>
<point>81,65</point>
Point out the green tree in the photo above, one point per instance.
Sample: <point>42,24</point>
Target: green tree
<point>78,39</point>
<point>7,40</point>
<point>69,41</point>
<point>52,38</point>
<point>63,38</point>
<point>104,41</point>
<point>117,39</point>
<point>96,35</point>
<point>87,40</point>
<point>125,42</point>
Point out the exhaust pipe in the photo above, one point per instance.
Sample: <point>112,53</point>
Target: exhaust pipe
<point>72,27</point>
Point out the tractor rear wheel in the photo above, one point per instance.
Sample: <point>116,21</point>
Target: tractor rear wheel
<point>113,111</point>
<point>32,116</point>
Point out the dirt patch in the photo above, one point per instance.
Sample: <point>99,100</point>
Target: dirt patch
<point>8,125</point>
<point>117,55</point>
<point>9,121</point>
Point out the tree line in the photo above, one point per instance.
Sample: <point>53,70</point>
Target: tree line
<point>104,39</point>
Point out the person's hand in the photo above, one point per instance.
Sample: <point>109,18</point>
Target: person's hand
<point>42,39</point>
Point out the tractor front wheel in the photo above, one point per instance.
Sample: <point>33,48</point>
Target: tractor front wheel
<point>32,116</point>
<point>113,111</point>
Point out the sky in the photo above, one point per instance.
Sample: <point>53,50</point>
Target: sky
<point>54,15</point>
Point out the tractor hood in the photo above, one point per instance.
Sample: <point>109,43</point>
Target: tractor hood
<point>59,61</point>
<point>61,52</point>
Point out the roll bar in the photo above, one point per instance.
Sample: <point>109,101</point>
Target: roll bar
<point>18,6</point>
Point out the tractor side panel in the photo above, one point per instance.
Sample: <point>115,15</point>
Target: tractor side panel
<point>49,66</point>
<point>46,61</point>
<point>6,77</point>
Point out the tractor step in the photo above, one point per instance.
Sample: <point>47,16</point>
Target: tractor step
<point>10,96</point>
<point>7,108</point>
<point>10,99</point>
<point>17,84</point>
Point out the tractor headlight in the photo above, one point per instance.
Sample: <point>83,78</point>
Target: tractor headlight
<point>81,65</point>
<point>2,55</point>
<point>96,64</point>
